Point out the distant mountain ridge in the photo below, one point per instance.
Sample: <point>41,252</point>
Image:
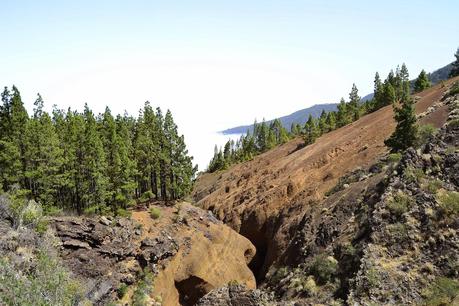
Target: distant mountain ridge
<point>302,115</point>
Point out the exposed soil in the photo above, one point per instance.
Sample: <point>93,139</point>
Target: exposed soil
<point>264,198</point>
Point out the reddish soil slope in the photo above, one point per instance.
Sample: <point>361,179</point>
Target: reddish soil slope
<point>260,197</point>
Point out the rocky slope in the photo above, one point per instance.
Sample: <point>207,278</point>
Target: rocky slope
<point>188,251</point>
<point>341,221</point>
<point>261,198</point>
<point>174,256</point>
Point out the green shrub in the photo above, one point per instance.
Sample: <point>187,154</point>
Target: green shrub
<point>413,175</point>
<point>324,268</point>
<point>372,277</point>
<point>121,212</point>
<point>146,196</point>
<point>454,123</point>
<point>48,283</point>
<point>432,186</point>
<point>42,226</point>
<point>394,157</point>
<point>448,201</point>
<point>454,89</point>
<point>442,292</point>
<point>399,204</point>
<point>424,133</point>
<point>144,287</point>
<point>310,287</point>
<point>398,231</point>
<point>122,290</point>
<point>155,213</point>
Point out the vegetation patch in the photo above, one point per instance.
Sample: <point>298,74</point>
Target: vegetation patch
<point>144,288</point>
<point>155,213</point>
<point>448,201</point>
<point>454,89</point>
<point>324,268</point>
<point>398,231</point>
<point>442,292</point>
<point>47,283</point>
<point>424,133</point>
<point>431,185</point>
<point>413,175</point>
<point>394,157</point>
<point>399,204</point>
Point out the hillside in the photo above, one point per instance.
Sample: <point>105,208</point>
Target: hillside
<point>302,115</point>
<point>279,202</point>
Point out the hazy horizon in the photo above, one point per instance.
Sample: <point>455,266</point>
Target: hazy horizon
<point>216,65</point>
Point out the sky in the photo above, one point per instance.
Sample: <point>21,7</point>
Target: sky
<point>215,64</point>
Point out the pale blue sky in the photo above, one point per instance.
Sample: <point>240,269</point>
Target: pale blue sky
<point>216,64</point>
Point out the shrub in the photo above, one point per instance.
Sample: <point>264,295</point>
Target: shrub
<point>432,186</point>
<point>399,204</point>
<point>448,201</point>
<point>442,291</point>
<point>324,268</point>
<point>454,123</point>
<point>424,133</point>
<point>413,175</point>
<point>394,157</point>
<point>155,213</point>
<point>398,231</point>
<point>310,287</point>
<point>121,212</point>
<point>454,89</point>
<point>146,196</point>
<point>372,277</point>
<point>48,283</point>
<point>122,290</point>
<point>144,288</point>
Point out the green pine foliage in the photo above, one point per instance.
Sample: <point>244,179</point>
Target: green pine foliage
<point>455,70</point>
<point>264,137</point>
<point>422,82</point>
<point>86,163</point>
<point>406,131</point>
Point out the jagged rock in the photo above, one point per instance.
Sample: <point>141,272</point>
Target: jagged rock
<point>234,295</point>
<point>76,244</point>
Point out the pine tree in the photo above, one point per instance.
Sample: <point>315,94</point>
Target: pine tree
<point>342,114</point>
<point>44,157</point>
<point>331,121</point>
<point>455,69</point>
<point>378,91</point>
<point>94,185</point>
<point>388,96</point>
<point>353,106</point>
<point>311,131</point>
<point>422,82</point>
<point>125,127</point>
<point>322,123</point>
<point>10,156</point>
<point>405,133</point>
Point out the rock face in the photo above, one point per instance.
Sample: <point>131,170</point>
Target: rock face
<point>234,295</point>
<point>188,250</point>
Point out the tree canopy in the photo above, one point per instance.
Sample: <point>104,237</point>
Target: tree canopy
<point>87,163</point>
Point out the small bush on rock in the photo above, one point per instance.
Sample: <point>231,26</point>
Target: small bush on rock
<point>155,213</point>
<point>399,204</point>
<point>441,292</point>
<point>448,201</point>
<point>324,268</point>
